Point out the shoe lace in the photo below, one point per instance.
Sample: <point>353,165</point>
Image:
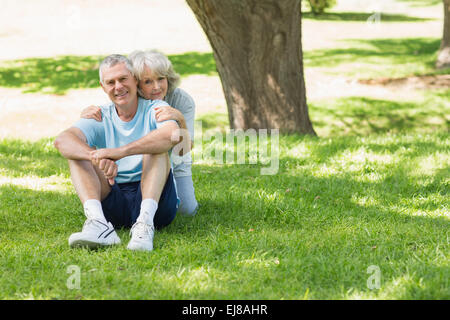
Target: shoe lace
<point>87,223</point>
<point>142,230</point>
<point>93,222</point>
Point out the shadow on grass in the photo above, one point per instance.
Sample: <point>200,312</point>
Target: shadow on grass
<point>412,55</point>
<point>422,3</point>
<point>190,63</point>
<point>57,75</point>
<point>51,75</point>
<point>21,158</point>
<point>318,233</point>
<point>361,17</point>
<point>356,116</point>
<point>322,150</point>
<point>245,182</point>
<point>39,212</point>
<point>364,116</point>
<point>319,223</point>
<point>216,120</point>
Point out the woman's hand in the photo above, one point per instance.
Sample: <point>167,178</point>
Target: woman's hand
<point>169,113</point>
<point>92,112</point>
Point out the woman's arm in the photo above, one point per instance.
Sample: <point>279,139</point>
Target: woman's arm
<point>169,113</point>
<point>183,102</point>
<point>156,141</point>
<point>92,112</point>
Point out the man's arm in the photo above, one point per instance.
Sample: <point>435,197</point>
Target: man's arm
<point>72,145</point>
<point>157,141</point>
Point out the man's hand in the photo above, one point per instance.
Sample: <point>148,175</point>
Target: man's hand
<point>109,169</point>
<point>108,153</point>
<point>105,159</point>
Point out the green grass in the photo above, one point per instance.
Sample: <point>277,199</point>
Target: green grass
<point>371,190</point>
<point>356,58</point>
<point>422,3</point>
<point>359,115</point>
<point>376,195</point>
<point>57,75</point>
<point>361,58</point>
<point>360,17</point>
<point>363,116</point>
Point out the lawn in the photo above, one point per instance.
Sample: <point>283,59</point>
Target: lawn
<point>361,58</point>
<point>353,58</point>
<point>338,205</point>
<point>369,193</point>
<point>57,75</point>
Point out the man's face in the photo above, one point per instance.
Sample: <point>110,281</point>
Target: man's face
<point>119,84</point>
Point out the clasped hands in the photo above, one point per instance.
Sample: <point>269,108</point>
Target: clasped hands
<point>105,160</point>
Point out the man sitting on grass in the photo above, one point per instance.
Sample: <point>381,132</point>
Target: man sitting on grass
<point>120,167</point>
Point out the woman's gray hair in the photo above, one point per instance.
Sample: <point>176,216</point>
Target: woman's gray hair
<point>112,60</point>
<point>158,63</point>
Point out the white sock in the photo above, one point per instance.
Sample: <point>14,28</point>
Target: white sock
<point>148,210</point>
<point>93,210</point>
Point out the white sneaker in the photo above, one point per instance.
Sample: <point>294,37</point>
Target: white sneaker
<point>95,234</point>
<point>141,236</point>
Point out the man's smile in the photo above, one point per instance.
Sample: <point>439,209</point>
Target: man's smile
<point>121,95</point>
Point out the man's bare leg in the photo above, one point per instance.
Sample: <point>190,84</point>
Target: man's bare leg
<point>91,186</point>
<point>155,170</point>
<point>88,180</point>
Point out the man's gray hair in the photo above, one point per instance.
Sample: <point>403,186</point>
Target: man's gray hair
<point>158,63</point>
<point>112,60</point>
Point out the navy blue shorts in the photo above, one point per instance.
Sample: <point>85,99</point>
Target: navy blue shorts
<point>122,206</point>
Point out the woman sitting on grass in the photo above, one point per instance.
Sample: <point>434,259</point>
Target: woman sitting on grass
<point>158,81</point>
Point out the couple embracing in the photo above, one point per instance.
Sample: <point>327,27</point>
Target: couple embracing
<point>120,155</point>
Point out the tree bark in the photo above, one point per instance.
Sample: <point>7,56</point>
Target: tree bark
<point>258,52</point>
<point>443,60</point>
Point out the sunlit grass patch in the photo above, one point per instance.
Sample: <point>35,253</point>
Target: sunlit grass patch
<point>362,115</point>
<point>360,17</point>
<point>302,233</point>
<point>361,58</point>
<point>57,75</point>
<point>53,183</point>
<point>371,190</point>
<point>422,3</point>
<point>24,159</point>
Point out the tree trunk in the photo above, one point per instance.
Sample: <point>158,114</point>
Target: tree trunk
<point>258,53</point>
<point>443,60</point>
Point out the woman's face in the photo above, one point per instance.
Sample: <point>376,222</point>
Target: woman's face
<point>153,87</point>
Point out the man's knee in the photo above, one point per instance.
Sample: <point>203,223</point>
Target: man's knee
<point>85,176</point>
<point>160,160</point>
<point>158,157</point>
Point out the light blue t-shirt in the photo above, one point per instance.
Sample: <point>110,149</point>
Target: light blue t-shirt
<point>112,132</point>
